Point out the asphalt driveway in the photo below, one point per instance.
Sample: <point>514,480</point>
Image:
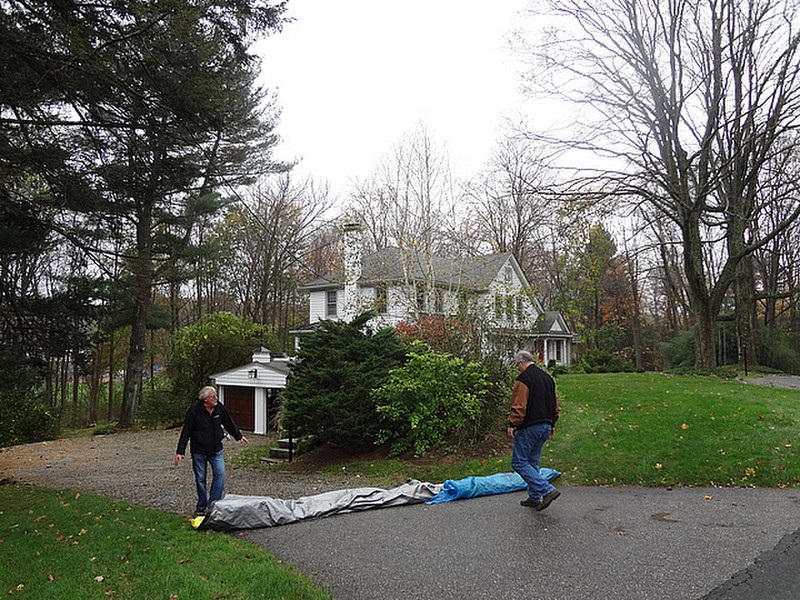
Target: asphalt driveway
<point>615,543</point>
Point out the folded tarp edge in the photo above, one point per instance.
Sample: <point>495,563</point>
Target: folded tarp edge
<point>253,512</point>
<point>472,487</point>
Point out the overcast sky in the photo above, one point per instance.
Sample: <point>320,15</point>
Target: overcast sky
<point>354,76</point>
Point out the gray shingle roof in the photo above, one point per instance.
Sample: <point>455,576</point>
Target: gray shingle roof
<point>395,265</point>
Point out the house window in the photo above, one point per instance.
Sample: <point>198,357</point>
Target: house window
<point>520,309</point>
<point>438,301</point>
<point>498,306</point>
<point>420,289</point>
<point>559,356</point>
<point>463,303</point>
<point>380,300</point>
<point>507,275</point>
<point>330,303</point>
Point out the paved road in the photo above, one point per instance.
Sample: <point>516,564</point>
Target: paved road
<point>592,543</point>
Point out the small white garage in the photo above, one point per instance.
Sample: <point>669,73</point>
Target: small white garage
<point>251,392</point>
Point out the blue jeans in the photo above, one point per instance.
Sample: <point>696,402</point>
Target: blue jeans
<point>217,462</point>
<point>528,444</point>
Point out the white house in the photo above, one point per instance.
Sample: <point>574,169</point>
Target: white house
<point>250,392</point>
<point>401,284</point>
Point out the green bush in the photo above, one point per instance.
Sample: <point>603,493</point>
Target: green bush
<point>217,342</point>
<point>431,397</point>
<point>679,352</point>
<point>25,418</point>
<point>162,406</point>
<point>602,361</point>
<point>327,395</point>
<point>774,349</point>
<point>104,429</point>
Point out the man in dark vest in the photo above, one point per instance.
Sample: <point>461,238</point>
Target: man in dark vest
<point>534,412</point>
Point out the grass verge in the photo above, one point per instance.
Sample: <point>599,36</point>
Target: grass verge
<point>653,429</point>
<point>62,544</point>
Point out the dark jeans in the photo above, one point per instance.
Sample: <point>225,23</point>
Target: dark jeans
<point>528,444</point>
<point>199,463</point>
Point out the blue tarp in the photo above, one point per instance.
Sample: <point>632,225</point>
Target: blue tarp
<point>500,483</point>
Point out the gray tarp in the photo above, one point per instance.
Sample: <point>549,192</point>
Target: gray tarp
<point>252,512</point>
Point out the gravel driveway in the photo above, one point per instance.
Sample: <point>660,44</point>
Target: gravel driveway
<point>137,467</point>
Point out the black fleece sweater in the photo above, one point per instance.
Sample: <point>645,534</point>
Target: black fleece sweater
<point>205,430</point>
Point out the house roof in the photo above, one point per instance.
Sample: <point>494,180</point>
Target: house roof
<point>396,265</point>
<point>552,323</point>
<point>278,366</point>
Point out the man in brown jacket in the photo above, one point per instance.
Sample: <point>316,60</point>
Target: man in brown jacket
<point>534,412</point>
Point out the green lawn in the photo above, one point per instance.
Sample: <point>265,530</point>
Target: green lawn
<point>646,429</point>
<point>654,429</point>
<point>61,544</point>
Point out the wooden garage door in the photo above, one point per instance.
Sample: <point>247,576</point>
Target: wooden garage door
<point>240,402</point>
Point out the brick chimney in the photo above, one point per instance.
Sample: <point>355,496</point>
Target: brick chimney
<point>353,246</point>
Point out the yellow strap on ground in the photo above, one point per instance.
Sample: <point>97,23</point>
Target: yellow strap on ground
<point>197,521</point>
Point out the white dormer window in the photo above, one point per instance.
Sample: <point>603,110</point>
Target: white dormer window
<point>330,303</point>
<point>381,304</point>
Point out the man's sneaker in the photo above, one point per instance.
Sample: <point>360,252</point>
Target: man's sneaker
<point>547,499</point>
<point>531,502</point>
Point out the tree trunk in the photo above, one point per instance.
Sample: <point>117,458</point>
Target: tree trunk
<point>111,347</point>
<point>744,297</point>
<point>703,316</point>
<point>636,320</point>
<point>75,385</point>
<point>48,382</point>
<point>136,355</point>
<point>94,384</point>
<point>705,356</point>
<point>63,388</point>
<point>142,291</point>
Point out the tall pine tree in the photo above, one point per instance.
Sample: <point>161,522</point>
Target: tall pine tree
<point>136,115</point>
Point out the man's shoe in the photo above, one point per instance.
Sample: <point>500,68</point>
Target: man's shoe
<point>547,499</point>
<point>531,502</point>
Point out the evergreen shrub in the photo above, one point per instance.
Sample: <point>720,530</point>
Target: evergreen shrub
<point>602,361</point>
<point>25,418</point>
<point>428,399</point>
<point>328,392</point>
<point>774,349</point>
<point>162,406</point>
